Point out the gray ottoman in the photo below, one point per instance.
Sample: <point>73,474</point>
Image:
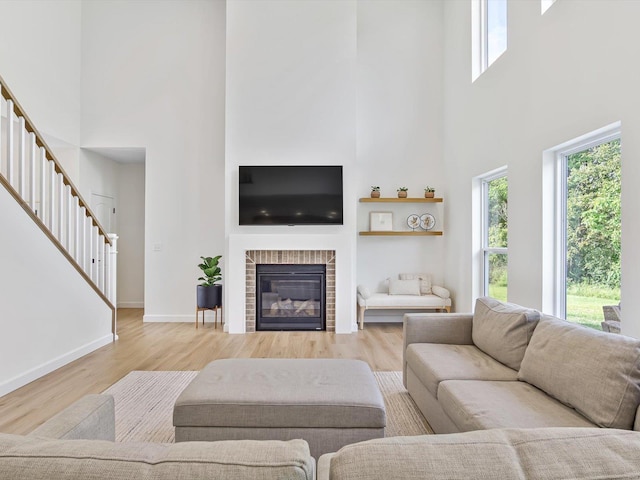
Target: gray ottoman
<point>328,403</point>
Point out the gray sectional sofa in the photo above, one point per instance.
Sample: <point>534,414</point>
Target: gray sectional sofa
<point>503,372</point>
<point>507,366</point>
<point>78,444</point>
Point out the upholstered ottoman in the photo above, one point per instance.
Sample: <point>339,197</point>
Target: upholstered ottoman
<point>328,403</point>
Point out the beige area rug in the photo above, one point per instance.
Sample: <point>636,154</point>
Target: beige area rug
<point>144,405</point>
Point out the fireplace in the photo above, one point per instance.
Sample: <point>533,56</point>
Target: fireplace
<point>290,297</point>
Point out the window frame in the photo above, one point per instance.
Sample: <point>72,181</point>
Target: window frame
<point>561,154</point>
<point>485,249</point>
<point>480,37</point>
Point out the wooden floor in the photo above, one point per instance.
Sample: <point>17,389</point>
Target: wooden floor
<point>179,346</point>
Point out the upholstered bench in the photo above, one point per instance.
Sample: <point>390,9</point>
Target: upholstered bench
<point>411,291</point>
<point>327,402</point>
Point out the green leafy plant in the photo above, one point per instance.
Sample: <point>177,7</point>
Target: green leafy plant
<point>211,270</point>
<point>403,189</point>
<point>429,189</point>
<point>375,189</point>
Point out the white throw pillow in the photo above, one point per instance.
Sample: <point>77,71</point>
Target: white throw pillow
<point>364,291</point>
<point>404,287</point>
<point>440,291</point>
<point>424,278</point>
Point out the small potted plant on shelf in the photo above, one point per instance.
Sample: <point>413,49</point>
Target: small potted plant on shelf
<point>429,192</point>
<point>209,293</point>
<point>402,192</point>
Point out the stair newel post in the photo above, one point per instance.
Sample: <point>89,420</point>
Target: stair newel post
<point>10,116</point>
<point>22,150</point>
<point>32,170</point>
<point>113,269</point>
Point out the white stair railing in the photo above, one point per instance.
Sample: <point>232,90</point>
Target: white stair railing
<point>33,176</point>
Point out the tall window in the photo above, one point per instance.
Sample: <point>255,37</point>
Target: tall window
<point>494,235</point>
<point>545,5</point>
<point>489,33</point>
<point>589,229</point>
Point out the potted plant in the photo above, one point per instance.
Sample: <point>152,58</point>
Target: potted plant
<point>209,293</point>
<point>375,192</point>
<point>402,192</point>
<point>429,192</point>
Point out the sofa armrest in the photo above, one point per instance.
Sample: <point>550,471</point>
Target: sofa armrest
<point>90,418</point>
<point>324,466</point>
<point>447,328</point>
<point>636,423</point>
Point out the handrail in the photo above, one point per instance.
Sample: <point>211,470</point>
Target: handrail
<point>62,214</point>
<point>25,206</point>
<point>19,111</point>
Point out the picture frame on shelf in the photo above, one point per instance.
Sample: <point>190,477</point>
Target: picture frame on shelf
<point>381,221</point>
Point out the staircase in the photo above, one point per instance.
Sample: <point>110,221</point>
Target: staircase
<point>31,174</point>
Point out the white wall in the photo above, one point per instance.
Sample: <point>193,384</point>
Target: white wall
<point>98,175</point>
<point>40,61</point>
<point>153,76</point>
<point>291,100</point>
<point>566,73</point>
<point>49,315</point>
<point>124,182</point>
<point>399,135</point>
<point>130,213</point>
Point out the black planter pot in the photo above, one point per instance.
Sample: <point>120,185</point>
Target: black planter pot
<point>209,297</point>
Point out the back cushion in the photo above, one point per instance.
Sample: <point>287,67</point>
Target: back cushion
<point>40,458</point>
<point>404,287</point>
<point>503,330</point>
<point>423,278</point>
<point>594,372</point>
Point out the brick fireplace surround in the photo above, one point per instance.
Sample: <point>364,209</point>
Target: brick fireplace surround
<point>291,257</point>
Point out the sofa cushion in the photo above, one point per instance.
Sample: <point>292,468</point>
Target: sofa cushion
<point>594,372</point>
<point>535,454</point>
<point>503,330</point>
<point>28,458</point>
<point>404,287</point>
<point>383,300</point>
<point>480,405</point>
<point>423,278</point>
<point>433,363</point>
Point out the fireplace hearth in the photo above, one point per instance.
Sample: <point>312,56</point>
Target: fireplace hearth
<point>290,297</point>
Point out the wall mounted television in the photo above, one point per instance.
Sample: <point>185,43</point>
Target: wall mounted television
<point>290,195</point>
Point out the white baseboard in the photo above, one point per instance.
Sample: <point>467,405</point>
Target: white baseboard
<point>48,367</point>
<point>130,304</point>
<point>170,318</point>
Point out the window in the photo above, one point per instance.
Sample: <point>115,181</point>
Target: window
<point>588,228</point>
<point>545,5</point>
<point>489,33</point>
<point>494,235</point>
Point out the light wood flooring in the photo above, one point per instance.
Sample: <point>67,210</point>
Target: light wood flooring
<point>179,346</point>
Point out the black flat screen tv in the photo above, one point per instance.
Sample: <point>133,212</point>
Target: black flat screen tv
<point>290,195</point>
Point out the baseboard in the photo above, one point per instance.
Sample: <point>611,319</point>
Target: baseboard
<point>48,367</point>
<point>130,304</point>
<point>171,318</point>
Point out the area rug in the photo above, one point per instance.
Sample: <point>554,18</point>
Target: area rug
<point>144,405</point>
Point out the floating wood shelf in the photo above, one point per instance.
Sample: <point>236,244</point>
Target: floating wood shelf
<point>403,234</point>
<point>401,200</point>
